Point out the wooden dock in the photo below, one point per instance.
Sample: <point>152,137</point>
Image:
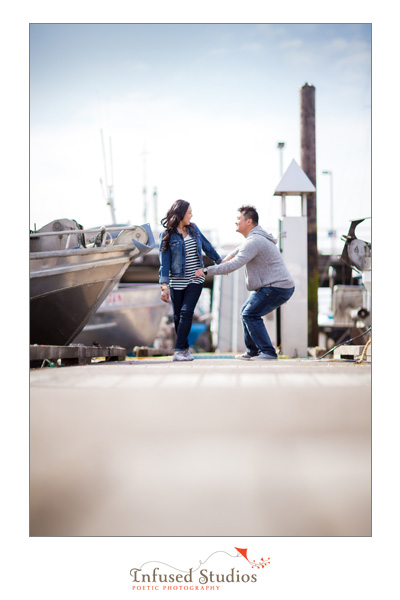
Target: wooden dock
<point>74,354</point>
<point>214,447</point>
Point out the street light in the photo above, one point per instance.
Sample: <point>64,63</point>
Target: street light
<point>331,232</point>
<point>280,147</point>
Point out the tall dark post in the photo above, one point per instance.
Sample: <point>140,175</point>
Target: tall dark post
<point>308,164</point>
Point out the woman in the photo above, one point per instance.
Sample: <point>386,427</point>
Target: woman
<point>180,256</point>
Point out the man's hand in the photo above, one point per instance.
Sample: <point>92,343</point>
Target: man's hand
<point>199,273</point>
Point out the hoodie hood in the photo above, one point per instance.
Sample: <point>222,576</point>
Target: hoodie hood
<point>258,230</point>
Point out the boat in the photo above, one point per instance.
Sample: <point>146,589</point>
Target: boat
<point>130,316</point>
<point>72,271</point>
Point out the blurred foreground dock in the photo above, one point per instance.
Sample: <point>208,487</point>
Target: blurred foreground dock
<point>215,447</point>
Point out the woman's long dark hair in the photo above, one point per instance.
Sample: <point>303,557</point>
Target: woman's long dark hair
<point>172,219</point>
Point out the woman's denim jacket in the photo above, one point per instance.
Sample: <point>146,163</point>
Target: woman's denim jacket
<point>172,261</point>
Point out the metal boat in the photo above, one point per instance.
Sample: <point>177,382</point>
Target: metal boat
<point>129,316</point>
<point>72,270</point>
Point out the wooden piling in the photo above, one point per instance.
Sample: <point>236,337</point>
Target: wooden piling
<point>308,164</point>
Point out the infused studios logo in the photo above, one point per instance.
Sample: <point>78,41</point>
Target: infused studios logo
<point>159,576</point>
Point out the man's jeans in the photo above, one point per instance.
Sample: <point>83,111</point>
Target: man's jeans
<point>258,304</point>
<point>184,302</point>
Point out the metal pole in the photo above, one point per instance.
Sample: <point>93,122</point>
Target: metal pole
<point>109,188</point>
<point>283,205</point>
<point>111,201</point>
<point>144,186</point>
<point>235,310</point>
<point>155,205</point>
<point>280,147</point>
<point>332,231</point>
<point>104,157</point>
<point>308,164</point>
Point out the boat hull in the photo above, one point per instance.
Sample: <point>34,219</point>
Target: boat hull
<point>130,316</point>
<point>68,286</point>
<point>72,270</point>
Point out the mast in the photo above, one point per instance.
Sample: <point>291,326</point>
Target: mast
<point>144,185</point>
<point>155,208</point>
<point>109,188</point>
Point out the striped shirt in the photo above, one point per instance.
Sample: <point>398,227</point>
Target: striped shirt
<point>192,263</point>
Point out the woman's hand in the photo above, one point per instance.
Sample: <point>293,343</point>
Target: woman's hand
<point>199,273</point>
<point>226,259</point>
<point>165,294</point>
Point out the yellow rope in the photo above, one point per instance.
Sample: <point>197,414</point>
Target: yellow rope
<point>364,352</point>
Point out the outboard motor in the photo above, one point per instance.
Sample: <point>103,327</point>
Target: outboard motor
<point>357,254</point>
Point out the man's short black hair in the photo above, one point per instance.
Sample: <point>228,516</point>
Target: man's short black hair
<point>249,212</point>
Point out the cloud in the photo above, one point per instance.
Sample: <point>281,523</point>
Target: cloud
<point>139,66</point>
<point>337,45</point>
<point>218,52</point>
<point>295,43</point>
<point>255,48</point>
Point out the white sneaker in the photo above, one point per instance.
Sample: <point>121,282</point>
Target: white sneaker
<point>245,356</point>
<point>182,355</point>
<point>264,356</point>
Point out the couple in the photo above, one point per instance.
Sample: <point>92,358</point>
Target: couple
<point>182,274</point>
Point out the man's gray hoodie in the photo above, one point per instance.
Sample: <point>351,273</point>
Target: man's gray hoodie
<point>263,260</point>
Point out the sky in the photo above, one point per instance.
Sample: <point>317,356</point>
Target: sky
<point>195,111</point>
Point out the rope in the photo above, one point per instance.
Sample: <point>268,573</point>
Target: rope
<point>364,352</point>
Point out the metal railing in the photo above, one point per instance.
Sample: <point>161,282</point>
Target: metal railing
<point>36,234</point>
<point>102,231</point>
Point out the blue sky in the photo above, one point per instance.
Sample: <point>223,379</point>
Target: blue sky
<point>208,104</point>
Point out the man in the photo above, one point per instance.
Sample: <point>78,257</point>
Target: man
<point>266,277</point>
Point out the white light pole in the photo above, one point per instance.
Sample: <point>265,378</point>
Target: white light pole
<point>331,233</point>
<point>280,147</point>
<point>293,245</point>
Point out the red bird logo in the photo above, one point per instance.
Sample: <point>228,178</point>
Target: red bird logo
<point>262,563</point>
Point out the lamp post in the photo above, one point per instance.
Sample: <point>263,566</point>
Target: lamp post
<point>294,321</point>
<point>280,147</point>
<point>331,232</point>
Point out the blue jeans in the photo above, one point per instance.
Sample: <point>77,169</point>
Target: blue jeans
<point>183,303</point>
<point>258,304</point>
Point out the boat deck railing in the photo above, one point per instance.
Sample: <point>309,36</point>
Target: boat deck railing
<point>35,234</point>
<point>102,230</point>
